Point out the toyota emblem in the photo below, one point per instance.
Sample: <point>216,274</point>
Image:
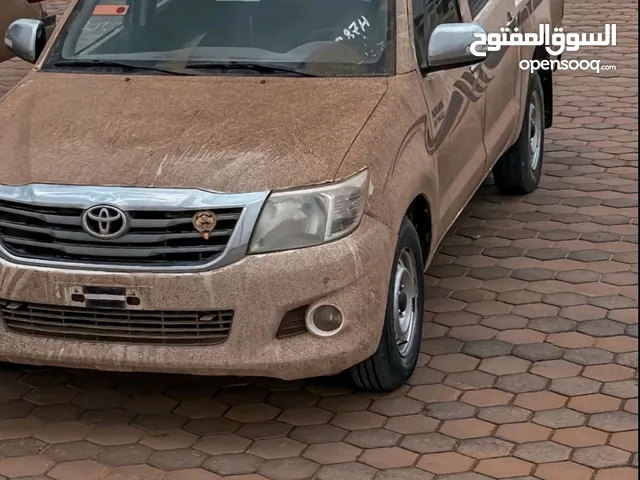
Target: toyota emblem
<point>105,222</point>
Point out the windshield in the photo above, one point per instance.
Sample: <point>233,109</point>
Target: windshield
<point>318,37</point>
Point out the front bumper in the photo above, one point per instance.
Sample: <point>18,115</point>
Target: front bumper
<point>351,273</point>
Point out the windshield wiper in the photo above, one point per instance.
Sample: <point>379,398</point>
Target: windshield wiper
<point>257,67</point>
<point>117,64</point>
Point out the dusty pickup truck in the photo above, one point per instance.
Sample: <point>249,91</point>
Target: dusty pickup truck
<point>12,10</point>
<point>252,188</point>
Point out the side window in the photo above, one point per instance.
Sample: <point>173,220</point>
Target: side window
<point>427,15</point>
<point>475,6</point>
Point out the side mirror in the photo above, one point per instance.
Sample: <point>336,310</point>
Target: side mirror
<point>26,39</point>
<point>450,45</point>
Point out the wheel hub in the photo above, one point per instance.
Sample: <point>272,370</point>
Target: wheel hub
<point>405,301</point>
<point>535,130</point>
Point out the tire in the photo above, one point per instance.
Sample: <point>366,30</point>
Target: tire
<point>519,170</point>
<point>393,364</point>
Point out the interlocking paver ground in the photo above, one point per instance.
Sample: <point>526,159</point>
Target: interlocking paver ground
<point>530,359</point>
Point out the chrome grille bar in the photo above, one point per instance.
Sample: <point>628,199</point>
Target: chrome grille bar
<point>42,225</point>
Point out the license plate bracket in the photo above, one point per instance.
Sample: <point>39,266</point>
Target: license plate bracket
<point>111,297</point>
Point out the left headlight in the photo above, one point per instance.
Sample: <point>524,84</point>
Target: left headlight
<point>311,216</point>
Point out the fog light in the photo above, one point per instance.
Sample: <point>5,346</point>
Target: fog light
<point>324,320</point>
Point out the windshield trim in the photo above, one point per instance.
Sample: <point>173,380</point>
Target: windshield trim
<point>53,54</point>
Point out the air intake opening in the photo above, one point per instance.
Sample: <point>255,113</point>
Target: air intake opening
<point>293,323</point>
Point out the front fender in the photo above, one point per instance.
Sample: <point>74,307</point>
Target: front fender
<point>392,145</point>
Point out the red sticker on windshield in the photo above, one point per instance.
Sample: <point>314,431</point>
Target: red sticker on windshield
<point>119,10</point>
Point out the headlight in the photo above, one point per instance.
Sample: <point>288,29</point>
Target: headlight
<point>312,216</point>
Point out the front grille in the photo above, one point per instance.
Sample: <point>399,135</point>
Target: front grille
<point>117,326</point>
<point>155,238</point>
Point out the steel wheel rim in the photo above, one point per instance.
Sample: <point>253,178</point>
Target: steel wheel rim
<point>535,130</point>
<point>405,301</point>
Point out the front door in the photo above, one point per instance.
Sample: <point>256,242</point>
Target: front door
<point>456,110</point>
<point>500,73</point>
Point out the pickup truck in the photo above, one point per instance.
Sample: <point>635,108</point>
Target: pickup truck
<point>253,188</point>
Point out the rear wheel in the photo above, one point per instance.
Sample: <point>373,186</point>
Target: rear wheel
<point>397,354</point>
<point>519,170</point>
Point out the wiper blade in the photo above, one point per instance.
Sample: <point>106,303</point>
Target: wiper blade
<point>116,64</point>
<point>258,67</point>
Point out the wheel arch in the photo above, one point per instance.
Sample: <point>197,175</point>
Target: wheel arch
<point>419,213</point>
<point>546,77</point>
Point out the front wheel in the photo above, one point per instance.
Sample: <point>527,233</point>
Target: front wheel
<point>397,354</point>
<point>519,170</point>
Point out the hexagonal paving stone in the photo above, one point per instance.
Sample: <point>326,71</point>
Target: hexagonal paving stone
<point>601,328</point>
<point>601,456</point>
<point>450,410</point>
<point>614,421</point>
<point>579,437</point>
<point>522,383</point>
<point>506,467</point>
<point>504,414</point>
<point>556,369</point>
<point>621,389</point>
<point>300,416</point>
<point>536,352</point>
<point>504,365</point>
<point>287,469</point>
<point>486,397</point>
<point>428,443</point>
<point>487,348</point>
<point>234,464</point>
<point>575,386</point>
<point>487,447</point>
<point>588,356</point>
<point>625,440</point>
<point>190,474</point>
<point>68,452</point>
<point>563,471</point>
<point>540,400</point>
<point>594,403</point>
<point>143,472</point>
<point>608,373</point>
<point>387,458</point>
<point>443,463</point>
<point>311,434</point>
<point>276,448</point>
<point>542,452</point>
<point>466,428</point>
<point>344,471</point>
<point>222,444</point>
<point>328,453</point>
<point>623,473</point>
<point>121,455</point>
<point>559,418</point>
<point>84,469</point>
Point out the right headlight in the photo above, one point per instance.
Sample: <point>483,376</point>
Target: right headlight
<point>311,216</point>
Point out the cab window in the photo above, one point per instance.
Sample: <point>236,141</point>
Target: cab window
<point>342,35</point>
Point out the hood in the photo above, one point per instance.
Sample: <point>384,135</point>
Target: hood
<point>221,133</point>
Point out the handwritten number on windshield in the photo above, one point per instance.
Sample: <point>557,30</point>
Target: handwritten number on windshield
<point>355,29</point>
